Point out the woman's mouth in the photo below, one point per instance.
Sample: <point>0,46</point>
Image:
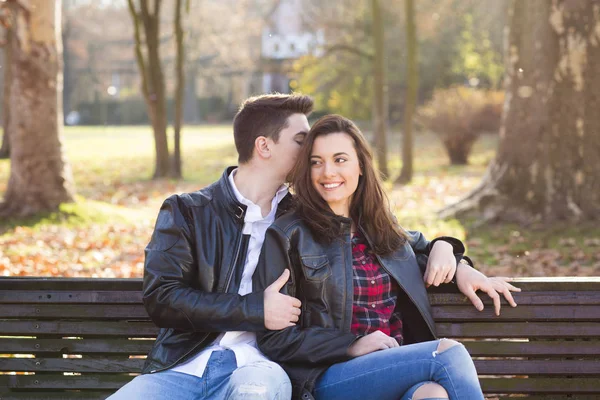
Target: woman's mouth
<point>332,186</point>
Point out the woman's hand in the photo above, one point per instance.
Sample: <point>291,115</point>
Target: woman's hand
<point>469,280</point>
<point>372,342</point>
<point>441,264</point>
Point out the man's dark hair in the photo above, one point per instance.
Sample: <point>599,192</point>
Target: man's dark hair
<point>265,115</point>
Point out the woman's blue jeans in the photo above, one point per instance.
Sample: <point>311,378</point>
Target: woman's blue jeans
<point>397,373</point>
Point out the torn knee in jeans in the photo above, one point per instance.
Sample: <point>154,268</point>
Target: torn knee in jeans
<point>250,389</point>
<point>444,345</point>
<point>430,390</point>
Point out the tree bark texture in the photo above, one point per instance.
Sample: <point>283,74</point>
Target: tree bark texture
<point>147,21</point>
<point>5,148</point>
<point>547,165</point>
<point>380,103</point>
<point>179,90</point>
<point>40,178</point>
<point>412,88</point>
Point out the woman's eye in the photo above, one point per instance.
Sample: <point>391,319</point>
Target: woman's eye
<point>314,162</point>
<point>340,160</point>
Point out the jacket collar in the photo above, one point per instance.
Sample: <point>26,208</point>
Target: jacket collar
<point>237,209</point>
<point>233,206</point>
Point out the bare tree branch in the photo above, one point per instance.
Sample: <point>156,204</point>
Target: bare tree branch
<point>138,47</point>
<point>348,49</point>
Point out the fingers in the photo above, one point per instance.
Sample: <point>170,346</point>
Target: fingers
<point>436,275</point>
<point>428,276</point>
<point>280,282</point>
<point>502,286</point>
<point>449,277</point>
<point>295,302</point>
<point>507,296</point>
<point>387,343</point>
<point>472,296</point>
<point>494,296</point>
<point>439,277</point>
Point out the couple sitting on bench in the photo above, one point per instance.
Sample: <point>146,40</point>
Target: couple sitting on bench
<point>261,295</point>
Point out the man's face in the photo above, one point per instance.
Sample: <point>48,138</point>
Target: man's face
<point>286,150</point>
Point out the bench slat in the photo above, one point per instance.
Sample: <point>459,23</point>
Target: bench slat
<point>552,397</point>
<point>68,328</point>
<point>68,296</point>
<point>518,329</point>
<point>553,348</point>
<point>523,298</point>
<point>76,346</point>
<point>521,313</point>
<point>27,283</point>
<point>76,311</point>
<point>71,365</point>
<point>540,385</point>
<point>83,395</point>
<point>537,367</point>
<point>551,284</point>
<point>60,381</point>
<point>484,367</point>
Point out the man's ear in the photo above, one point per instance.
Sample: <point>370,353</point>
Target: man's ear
<point>261,145</point>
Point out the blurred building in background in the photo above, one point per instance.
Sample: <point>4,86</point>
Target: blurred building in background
<point>234,49</point>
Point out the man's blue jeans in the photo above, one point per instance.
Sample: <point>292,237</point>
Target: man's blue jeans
<point>222,379</point>
<point>397,373</point>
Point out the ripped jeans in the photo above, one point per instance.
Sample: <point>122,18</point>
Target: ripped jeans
<point>222,379</point>
<point>398,372</point>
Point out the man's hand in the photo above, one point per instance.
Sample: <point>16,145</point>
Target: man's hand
<point>372,342</point>
<point>469,280</point>
<point>441,264</point>
<point>281,310</point>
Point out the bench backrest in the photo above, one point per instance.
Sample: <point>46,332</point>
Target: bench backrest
<point>85,338</point>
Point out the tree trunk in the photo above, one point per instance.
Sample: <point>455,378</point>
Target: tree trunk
<point>380,103</point>
<point>191,112</point>
<point>5,149</point>
<point>412,79</point>
<point>179,90</point>
<point>40,178</point>
<point>547,166</point>
<point>67,68</point>
<point>153,82</point>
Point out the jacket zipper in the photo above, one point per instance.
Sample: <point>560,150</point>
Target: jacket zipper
<point>235,260</point>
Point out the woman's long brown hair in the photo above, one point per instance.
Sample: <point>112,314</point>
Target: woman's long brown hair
<point>369,207</point>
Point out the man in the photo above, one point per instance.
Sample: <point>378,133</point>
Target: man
<point>199,266</point>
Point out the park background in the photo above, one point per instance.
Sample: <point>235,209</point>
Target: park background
<point>483,115</point>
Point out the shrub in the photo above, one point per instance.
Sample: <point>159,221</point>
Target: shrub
<point>459,115</point>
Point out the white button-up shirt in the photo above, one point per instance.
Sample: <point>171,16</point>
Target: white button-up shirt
<point>243,344</point>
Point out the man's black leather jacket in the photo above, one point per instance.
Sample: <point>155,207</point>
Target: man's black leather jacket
<point>321,278</point>
<point>193,268</point>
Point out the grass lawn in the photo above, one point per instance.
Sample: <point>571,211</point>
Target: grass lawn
<point>104,233</point>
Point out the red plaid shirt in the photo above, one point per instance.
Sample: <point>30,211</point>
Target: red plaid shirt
<point>375,294</point>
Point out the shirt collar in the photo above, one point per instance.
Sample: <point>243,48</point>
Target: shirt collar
<point>254,213</point>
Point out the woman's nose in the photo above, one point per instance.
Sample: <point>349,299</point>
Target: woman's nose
<point>329,169</point>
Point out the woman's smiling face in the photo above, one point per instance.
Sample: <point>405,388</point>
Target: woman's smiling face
<point>335,170</point>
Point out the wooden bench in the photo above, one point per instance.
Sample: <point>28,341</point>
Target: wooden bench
<point>85,338</point>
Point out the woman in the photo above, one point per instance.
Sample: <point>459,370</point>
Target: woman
<point>366,329</point>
